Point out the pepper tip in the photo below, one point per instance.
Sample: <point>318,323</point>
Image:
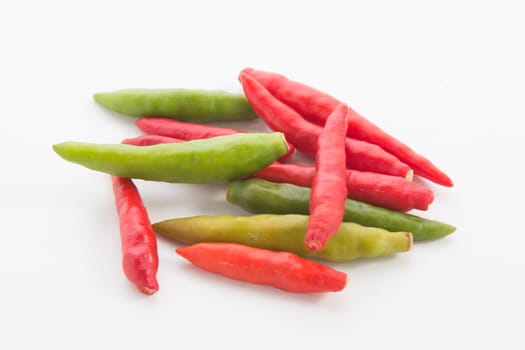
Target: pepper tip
<point>148,285</point>
<point>182,252</point>
<point>247,70</point>
<point>314,245</point>
<point>149,291</point>
<point>409,175</point>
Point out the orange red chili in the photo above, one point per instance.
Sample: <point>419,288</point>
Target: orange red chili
<point>283,270</point>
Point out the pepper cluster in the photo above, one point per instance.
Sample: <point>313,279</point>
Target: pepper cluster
<point>352,203</point>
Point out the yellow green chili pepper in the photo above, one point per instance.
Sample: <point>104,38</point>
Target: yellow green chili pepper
<point>285,233</point>
<point>221,158</point>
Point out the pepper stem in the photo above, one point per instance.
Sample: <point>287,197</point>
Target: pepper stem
<point>314,245</point>
<point>410,175</point>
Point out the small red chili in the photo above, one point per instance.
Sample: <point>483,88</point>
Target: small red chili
<point>283,270</point>
<point>139,245</point>
<point>327,199</point>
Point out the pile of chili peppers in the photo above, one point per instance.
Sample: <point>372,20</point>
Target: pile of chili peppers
<point>352,203</point>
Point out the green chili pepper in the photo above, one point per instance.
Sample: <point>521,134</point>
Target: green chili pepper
<point>197,106</point>
<point>216,159</point>
<point>285,233</point>
<point>260,196</point>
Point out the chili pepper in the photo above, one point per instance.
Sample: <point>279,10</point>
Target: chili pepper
<point>303,134</point>
<point>281,270</point>
<point>190,131</point>
<point>388,191</point>
<point>139,244</point>
<point>327,199</point>
<point>285,233</point>
<point>183,104</point>
<point>385,191</point>
<point>215,159</point>
<point>260,196</point>
<point>181,130</point>
<point>315,106</point>
<point>150,140</point>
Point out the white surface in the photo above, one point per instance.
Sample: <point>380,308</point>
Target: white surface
<point>447,78</point>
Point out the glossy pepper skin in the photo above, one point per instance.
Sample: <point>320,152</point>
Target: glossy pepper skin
<point>217,159</point>
<point>285,233</point>
<point>304,135</point>
<point>140,259</point>
<point>327,198</point>
<point>315,106</point>
<point>281,270</point>
<point>260,196</point>
<point>182,104</point>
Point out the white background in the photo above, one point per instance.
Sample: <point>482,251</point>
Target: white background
<point>446,77</point>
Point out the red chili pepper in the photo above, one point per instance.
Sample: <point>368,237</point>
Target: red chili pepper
<point>303,134</point>
<point>315,105</point>
<point>190,131</point>
<point>181,130</point>
<point>327,199</point>
<point>386,191</point>
<point>139,245</point>
<point>300,175</point>
<point>282,270</point>
<point>150,140</point>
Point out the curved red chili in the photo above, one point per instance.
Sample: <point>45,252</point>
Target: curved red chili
<point>139,245</point>
<point>315,106</point>
<point>191,131</point>
<point>283,270</point>
<point>327,200</point>
<point>303,134</point>
<point>385,191</point>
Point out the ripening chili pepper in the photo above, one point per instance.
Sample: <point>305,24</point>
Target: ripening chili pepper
<point>150,140</point>
<point>303,134</point>
<point>327,199</point>
<point>285,233</point>
<point>139,244</point>
<point>282,270</point>
<point>385,191</point>
<point>190,131</point>
<point>315,106</point>
<point>216,159</point>
<point>260,196</point>
<point>182,104</point>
